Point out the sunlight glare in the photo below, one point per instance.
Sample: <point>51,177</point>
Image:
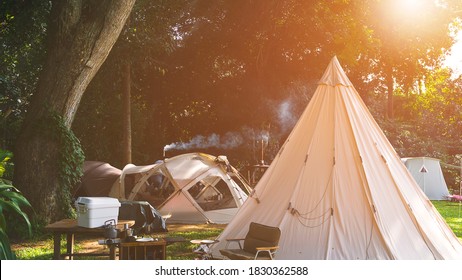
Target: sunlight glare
<point>408,8</point>
<point>454,60</point>
<point>410,5</point>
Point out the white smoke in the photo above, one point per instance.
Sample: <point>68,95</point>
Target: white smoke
<point>286,118</point>
<point>229,141</point>
<point>264,137</point>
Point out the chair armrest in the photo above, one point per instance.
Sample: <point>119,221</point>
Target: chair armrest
<point>267,248</point>
<point>271,251</point>
<point>238,240</point>
<point>235,239</point>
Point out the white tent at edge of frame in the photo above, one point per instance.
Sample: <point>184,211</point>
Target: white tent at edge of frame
<point>428,175</point>
<point>188,188</point>
<point>338,190</point>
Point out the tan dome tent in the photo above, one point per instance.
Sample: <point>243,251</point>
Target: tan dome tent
<point>97,179</point>
<point>429,176</point>
<point>338,190</point>
<point>192,188</point>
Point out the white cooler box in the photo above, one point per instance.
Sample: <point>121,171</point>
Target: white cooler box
<point>93,212</point>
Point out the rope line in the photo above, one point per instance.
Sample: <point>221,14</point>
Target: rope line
<point>313,226</point>
<point>450,165</point>
<point>294,211</point>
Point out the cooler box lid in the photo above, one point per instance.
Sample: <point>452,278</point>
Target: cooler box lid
<point>97,202</point>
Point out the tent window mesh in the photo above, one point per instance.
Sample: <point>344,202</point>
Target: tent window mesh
<point>155,190</point>
<point>212,193</point>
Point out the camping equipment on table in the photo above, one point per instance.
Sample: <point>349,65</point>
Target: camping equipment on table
<point>93,212</point>
<point>147,218</point>
<point>110,231</point>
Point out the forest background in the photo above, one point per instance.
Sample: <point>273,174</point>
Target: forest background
<point>232,78</point>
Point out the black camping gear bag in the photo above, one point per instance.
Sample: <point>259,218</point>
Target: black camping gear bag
<point>147,218</point>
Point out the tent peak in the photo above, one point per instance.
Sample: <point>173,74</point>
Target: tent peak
<point>334,75</point>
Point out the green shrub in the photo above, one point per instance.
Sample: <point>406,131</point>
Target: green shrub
<point>11,202</point>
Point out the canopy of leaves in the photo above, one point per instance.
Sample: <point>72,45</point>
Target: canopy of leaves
<point>22,33</point>
<point>244,71</point>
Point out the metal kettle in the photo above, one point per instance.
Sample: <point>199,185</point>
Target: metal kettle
<point>110,231</point>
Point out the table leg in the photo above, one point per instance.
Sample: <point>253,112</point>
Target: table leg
<point>164,251</point>
<point>70,245</point>
<point>112,251</point>
<point>57,246</point>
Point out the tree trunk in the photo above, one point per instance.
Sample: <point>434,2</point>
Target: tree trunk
<point>80,37</point>
<point>389,83</point>
<point>127,146</point>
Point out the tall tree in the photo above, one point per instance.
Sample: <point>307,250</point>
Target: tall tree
<point>145,43</point>
<point>22,34</point>
<point>127,114</point>
<point>413,37</point>
<point>47,158</point>
<point>232,63</point>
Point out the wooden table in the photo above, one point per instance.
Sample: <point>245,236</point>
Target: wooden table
<point>71,228</point>
<point>154,249</point>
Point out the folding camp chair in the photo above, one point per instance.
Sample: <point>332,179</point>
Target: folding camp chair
<point>260,243</point>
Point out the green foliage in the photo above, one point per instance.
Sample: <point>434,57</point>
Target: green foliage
<point>439,107</point>
<point>146,43</point>
<point>224,67</point>
<point>71,157</point>
<point>12,202</point>
<point>428,121</point>
<point>5,164</point>
<point>221,67</point>
<point>22,33</point>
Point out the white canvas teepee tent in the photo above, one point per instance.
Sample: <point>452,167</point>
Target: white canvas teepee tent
<point>190,188</point>
<point>338,190</point>
<point>429,176</point>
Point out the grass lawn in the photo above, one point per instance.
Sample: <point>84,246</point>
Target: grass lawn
<point>42,248</point>
<point>452,213</point>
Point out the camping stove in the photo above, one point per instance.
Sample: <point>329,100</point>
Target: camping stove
<point>109,241</point>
